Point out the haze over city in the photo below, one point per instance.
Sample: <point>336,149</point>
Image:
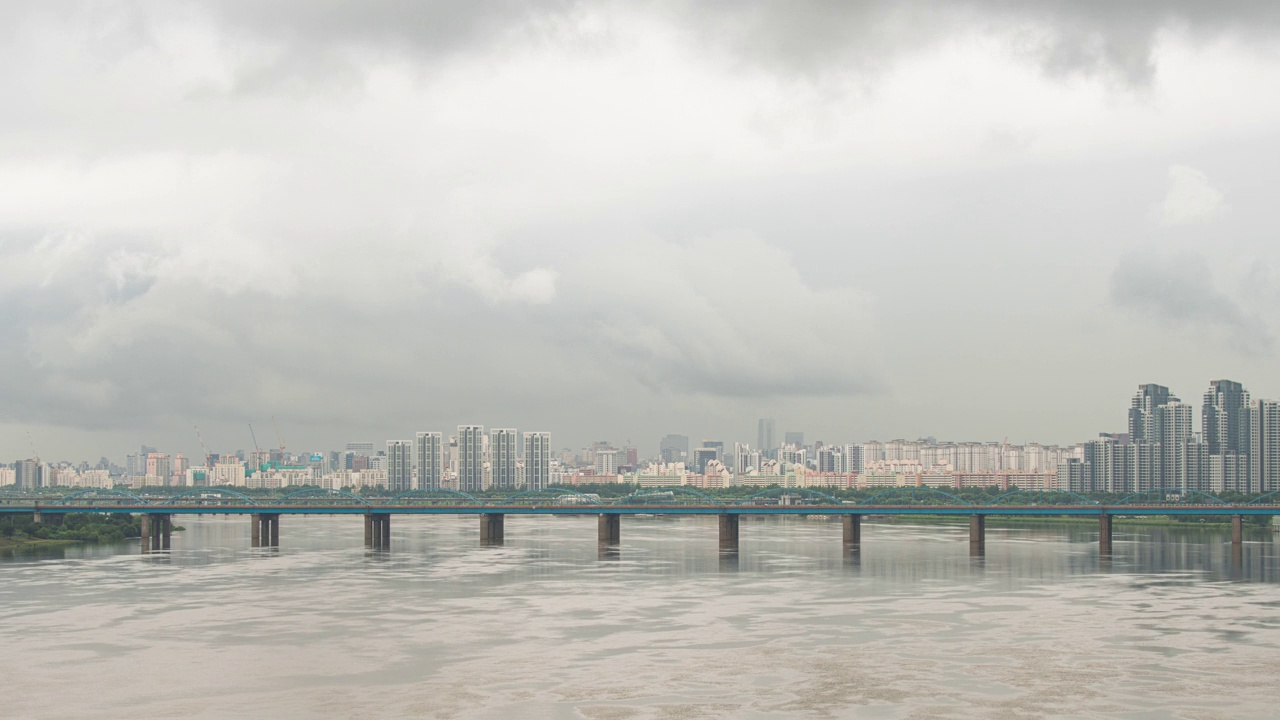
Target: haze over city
<point>618,221</point>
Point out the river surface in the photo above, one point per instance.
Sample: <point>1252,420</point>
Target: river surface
<point>547,626</point>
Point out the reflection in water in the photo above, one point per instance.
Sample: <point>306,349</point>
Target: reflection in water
<point>552,624</point>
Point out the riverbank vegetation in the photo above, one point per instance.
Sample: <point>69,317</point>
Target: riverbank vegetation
<point>71,528</point>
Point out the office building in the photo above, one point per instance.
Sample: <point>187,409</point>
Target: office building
<point>766,436</point>
<point>674,448</point>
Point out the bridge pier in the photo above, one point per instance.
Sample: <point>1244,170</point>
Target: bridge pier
<point>852,529</point>
<point>265,529</point>
<point>40,516</point>
<point>1104,534</point>
<point>610,529</point>
<point>156,531</point>
<point>1237,529</point>
<point>144,525</point>
<point>728,532</point>
<point>377,531</point>
<point>491,528</point>
<point>977,534</point>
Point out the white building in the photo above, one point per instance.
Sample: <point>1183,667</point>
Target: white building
<point>537,460</point>
<point>430,460</point>
<point>503,456</point>
<point>399,465</point>
<point>471,461</point>
<point>1264,445</point>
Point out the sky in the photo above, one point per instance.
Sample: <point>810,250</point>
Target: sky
<point>617,220</point>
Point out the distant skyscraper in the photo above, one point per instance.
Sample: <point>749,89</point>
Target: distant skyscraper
<point>537,460</point>
<point>674,448</point>
<point>1264,446</point>
<point>399,465</point>
<point>794,438</point>
<point>430,458</point>
<point>470,458</point>
<point>766,436</point>
<point>701,457</point>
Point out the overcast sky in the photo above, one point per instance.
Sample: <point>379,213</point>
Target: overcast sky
<point>619,220</point>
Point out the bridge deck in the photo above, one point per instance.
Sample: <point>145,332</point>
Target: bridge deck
<point>958,510</point>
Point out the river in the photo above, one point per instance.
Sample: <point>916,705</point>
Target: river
<point>547,626</point>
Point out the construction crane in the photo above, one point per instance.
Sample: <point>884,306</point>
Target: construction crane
<point>254,435</point>
<point>208,456</point>
<point>32,443</point>
<point>278,437</point>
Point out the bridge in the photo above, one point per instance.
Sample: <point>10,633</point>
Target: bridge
<point>264,515</point>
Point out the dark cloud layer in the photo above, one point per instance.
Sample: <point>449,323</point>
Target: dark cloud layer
<point>810,37</point>
<point>1178,290</point>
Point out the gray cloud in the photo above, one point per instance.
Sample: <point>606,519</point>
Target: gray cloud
<point>1178,290</point>
<point>808,37</point>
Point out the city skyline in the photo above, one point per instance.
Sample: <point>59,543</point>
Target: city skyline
<point>1236,448</point>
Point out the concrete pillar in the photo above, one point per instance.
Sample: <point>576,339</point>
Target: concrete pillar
<point>386,531</point>
<point>145,521</point>
<point>1237,529</point>
<point>166,531</point>
<point>610,529</point>
<point>729,532</point>
<point>977,534</point>
<point>368,530</point>
<point>491,528</point>
<point>36,517</point>
<point>157,532</point>
<point>274,519</point>
<point>255,530</point>
<point>1104,534</point>
<point>852,525</point>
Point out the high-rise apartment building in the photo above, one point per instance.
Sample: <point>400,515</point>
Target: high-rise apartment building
<point>503,456</point>
<point>766,436</point>
<point>1224,417</point>
<point>606,461</point>
<point>470,470</point>
<point>1264,446</point>
<point>1175,423</point>
<point>399,461</point>
<point>28,475</point>
<point>430,460</point>
<point>537,460</point>
<point>852,459</point>
<point>1142,412</point>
